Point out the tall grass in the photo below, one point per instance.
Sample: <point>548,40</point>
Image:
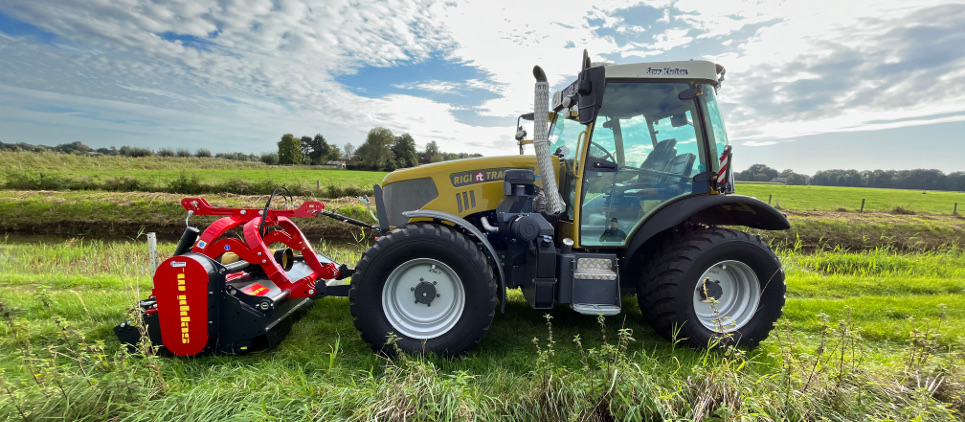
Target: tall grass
<point>22,161</point>
<point>181,183</point>
<point>59,360</point>
<point>123,215</point>
<point>829,378</point>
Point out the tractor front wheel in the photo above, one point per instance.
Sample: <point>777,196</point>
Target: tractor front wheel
<point>713,284</point>
<point>427,285</point>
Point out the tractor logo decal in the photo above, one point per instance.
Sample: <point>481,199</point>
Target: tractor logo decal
<point>478,176</point>
<point>673,71</point>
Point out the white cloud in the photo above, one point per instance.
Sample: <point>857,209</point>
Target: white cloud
<point>258,68</point>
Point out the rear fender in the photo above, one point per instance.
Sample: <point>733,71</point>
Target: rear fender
<point>712,210</point>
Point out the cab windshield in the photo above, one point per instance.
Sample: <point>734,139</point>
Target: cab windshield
<point>646,147</point>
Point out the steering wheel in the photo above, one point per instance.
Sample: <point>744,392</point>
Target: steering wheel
<point>609,157</point>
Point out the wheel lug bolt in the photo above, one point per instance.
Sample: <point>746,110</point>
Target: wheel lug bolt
<point>434,283</point>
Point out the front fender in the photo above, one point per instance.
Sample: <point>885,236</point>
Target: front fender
<point>712,210</point>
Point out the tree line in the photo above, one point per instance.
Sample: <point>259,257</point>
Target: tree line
<point>925,179</point>
<point>78,147</point>
<point>381,151</point>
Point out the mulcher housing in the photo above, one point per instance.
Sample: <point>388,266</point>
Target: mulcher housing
<point>224,294</point>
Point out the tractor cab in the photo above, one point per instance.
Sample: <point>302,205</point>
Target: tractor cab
<point>652,135</point>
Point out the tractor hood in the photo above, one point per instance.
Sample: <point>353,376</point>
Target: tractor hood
<point>459,187</point>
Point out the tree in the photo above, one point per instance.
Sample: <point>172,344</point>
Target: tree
<point>757,172</point>
<point>289,150</point>
<point>792,178</point>
<point>878,178</point>
<point>955,181</point>
<point>349,151</point>
<point>203,153</point>
<point>316,150</point>
<point>182,152</point>
<point>404,151</point>
<point>76,147</point>
<point>376,152</point>
<point>165,152</point>
<point>432,153</point>
<point>269,158</point>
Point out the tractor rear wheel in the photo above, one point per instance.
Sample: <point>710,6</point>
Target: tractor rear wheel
<point>713,284</point>
<point>427,285</point>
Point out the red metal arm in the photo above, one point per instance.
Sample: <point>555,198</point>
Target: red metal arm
<point>200,206</point>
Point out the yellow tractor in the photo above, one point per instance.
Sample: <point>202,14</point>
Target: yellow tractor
<point>627,191</point>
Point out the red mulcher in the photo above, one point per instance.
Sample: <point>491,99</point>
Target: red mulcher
<point>228,295</point>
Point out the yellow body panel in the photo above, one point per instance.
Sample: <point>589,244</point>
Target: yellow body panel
<point>470,185</point>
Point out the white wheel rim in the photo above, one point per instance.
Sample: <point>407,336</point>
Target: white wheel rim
<point>739,295</point>
<point>420,320</point>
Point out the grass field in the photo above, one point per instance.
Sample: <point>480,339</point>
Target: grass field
<point>833,198</point>
<point>873,329</point>
<point>51,171</point>
<point>872,336</point>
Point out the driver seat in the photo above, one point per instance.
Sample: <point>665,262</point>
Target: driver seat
<point>658,160</point>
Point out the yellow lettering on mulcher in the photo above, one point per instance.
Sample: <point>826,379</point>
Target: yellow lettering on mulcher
<point>185,319</point>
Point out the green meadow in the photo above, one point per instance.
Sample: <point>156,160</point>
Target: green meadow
<point>834,198</point>
<point>873,328</point>
<point>866,335</point>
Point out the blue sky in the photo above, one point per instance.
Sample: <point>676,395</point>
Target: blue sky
<point>810,84</point>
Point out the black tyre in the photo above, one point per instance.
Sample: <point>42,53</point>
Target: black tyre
<point>426,284</point>
<point>708,283</point>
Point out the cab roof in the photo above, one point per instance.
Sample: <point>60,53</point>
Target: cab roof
<point>700,70</point>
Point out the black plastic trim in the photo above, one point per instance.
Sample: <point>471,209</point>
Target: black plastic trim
<point>712,210</point>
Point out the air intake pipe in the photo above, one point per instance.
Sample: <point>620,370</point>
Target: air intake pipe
<point>541,142</point>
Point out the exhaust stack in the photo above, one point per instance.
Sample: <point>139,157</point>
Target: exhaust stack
<point>541,142</point>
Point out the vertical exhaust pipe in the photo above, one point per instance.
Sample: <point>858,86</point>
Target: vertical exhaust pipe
<point>541,142</point>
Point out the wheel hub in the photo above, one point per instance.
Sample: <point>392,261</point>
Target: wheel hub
<point>425,292</point>
<point>726,296</point>
<point>711,290</point>
<point>423,298</point>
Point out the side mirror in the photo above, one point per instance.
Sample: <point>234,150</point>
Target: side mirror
<point>520,133</point>
<point>678,120</point>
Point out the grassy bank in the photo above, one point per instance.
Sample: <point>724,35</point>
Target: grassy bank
<point>123,215</point>
<point>184,175</point>
<point>860,340</point>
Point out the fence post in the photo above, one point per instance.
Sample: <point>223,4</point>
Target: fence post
<point>318,184</point>
<point>955,210</point>
<point>152,250</point>
<point>769,199</point>
<point>862,206</point>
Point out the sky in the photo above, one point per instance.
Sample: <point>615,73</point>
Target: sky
<point>810,85</point>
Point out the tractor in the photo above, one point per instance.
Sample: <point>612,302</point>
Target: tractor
<point>627,191</point>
